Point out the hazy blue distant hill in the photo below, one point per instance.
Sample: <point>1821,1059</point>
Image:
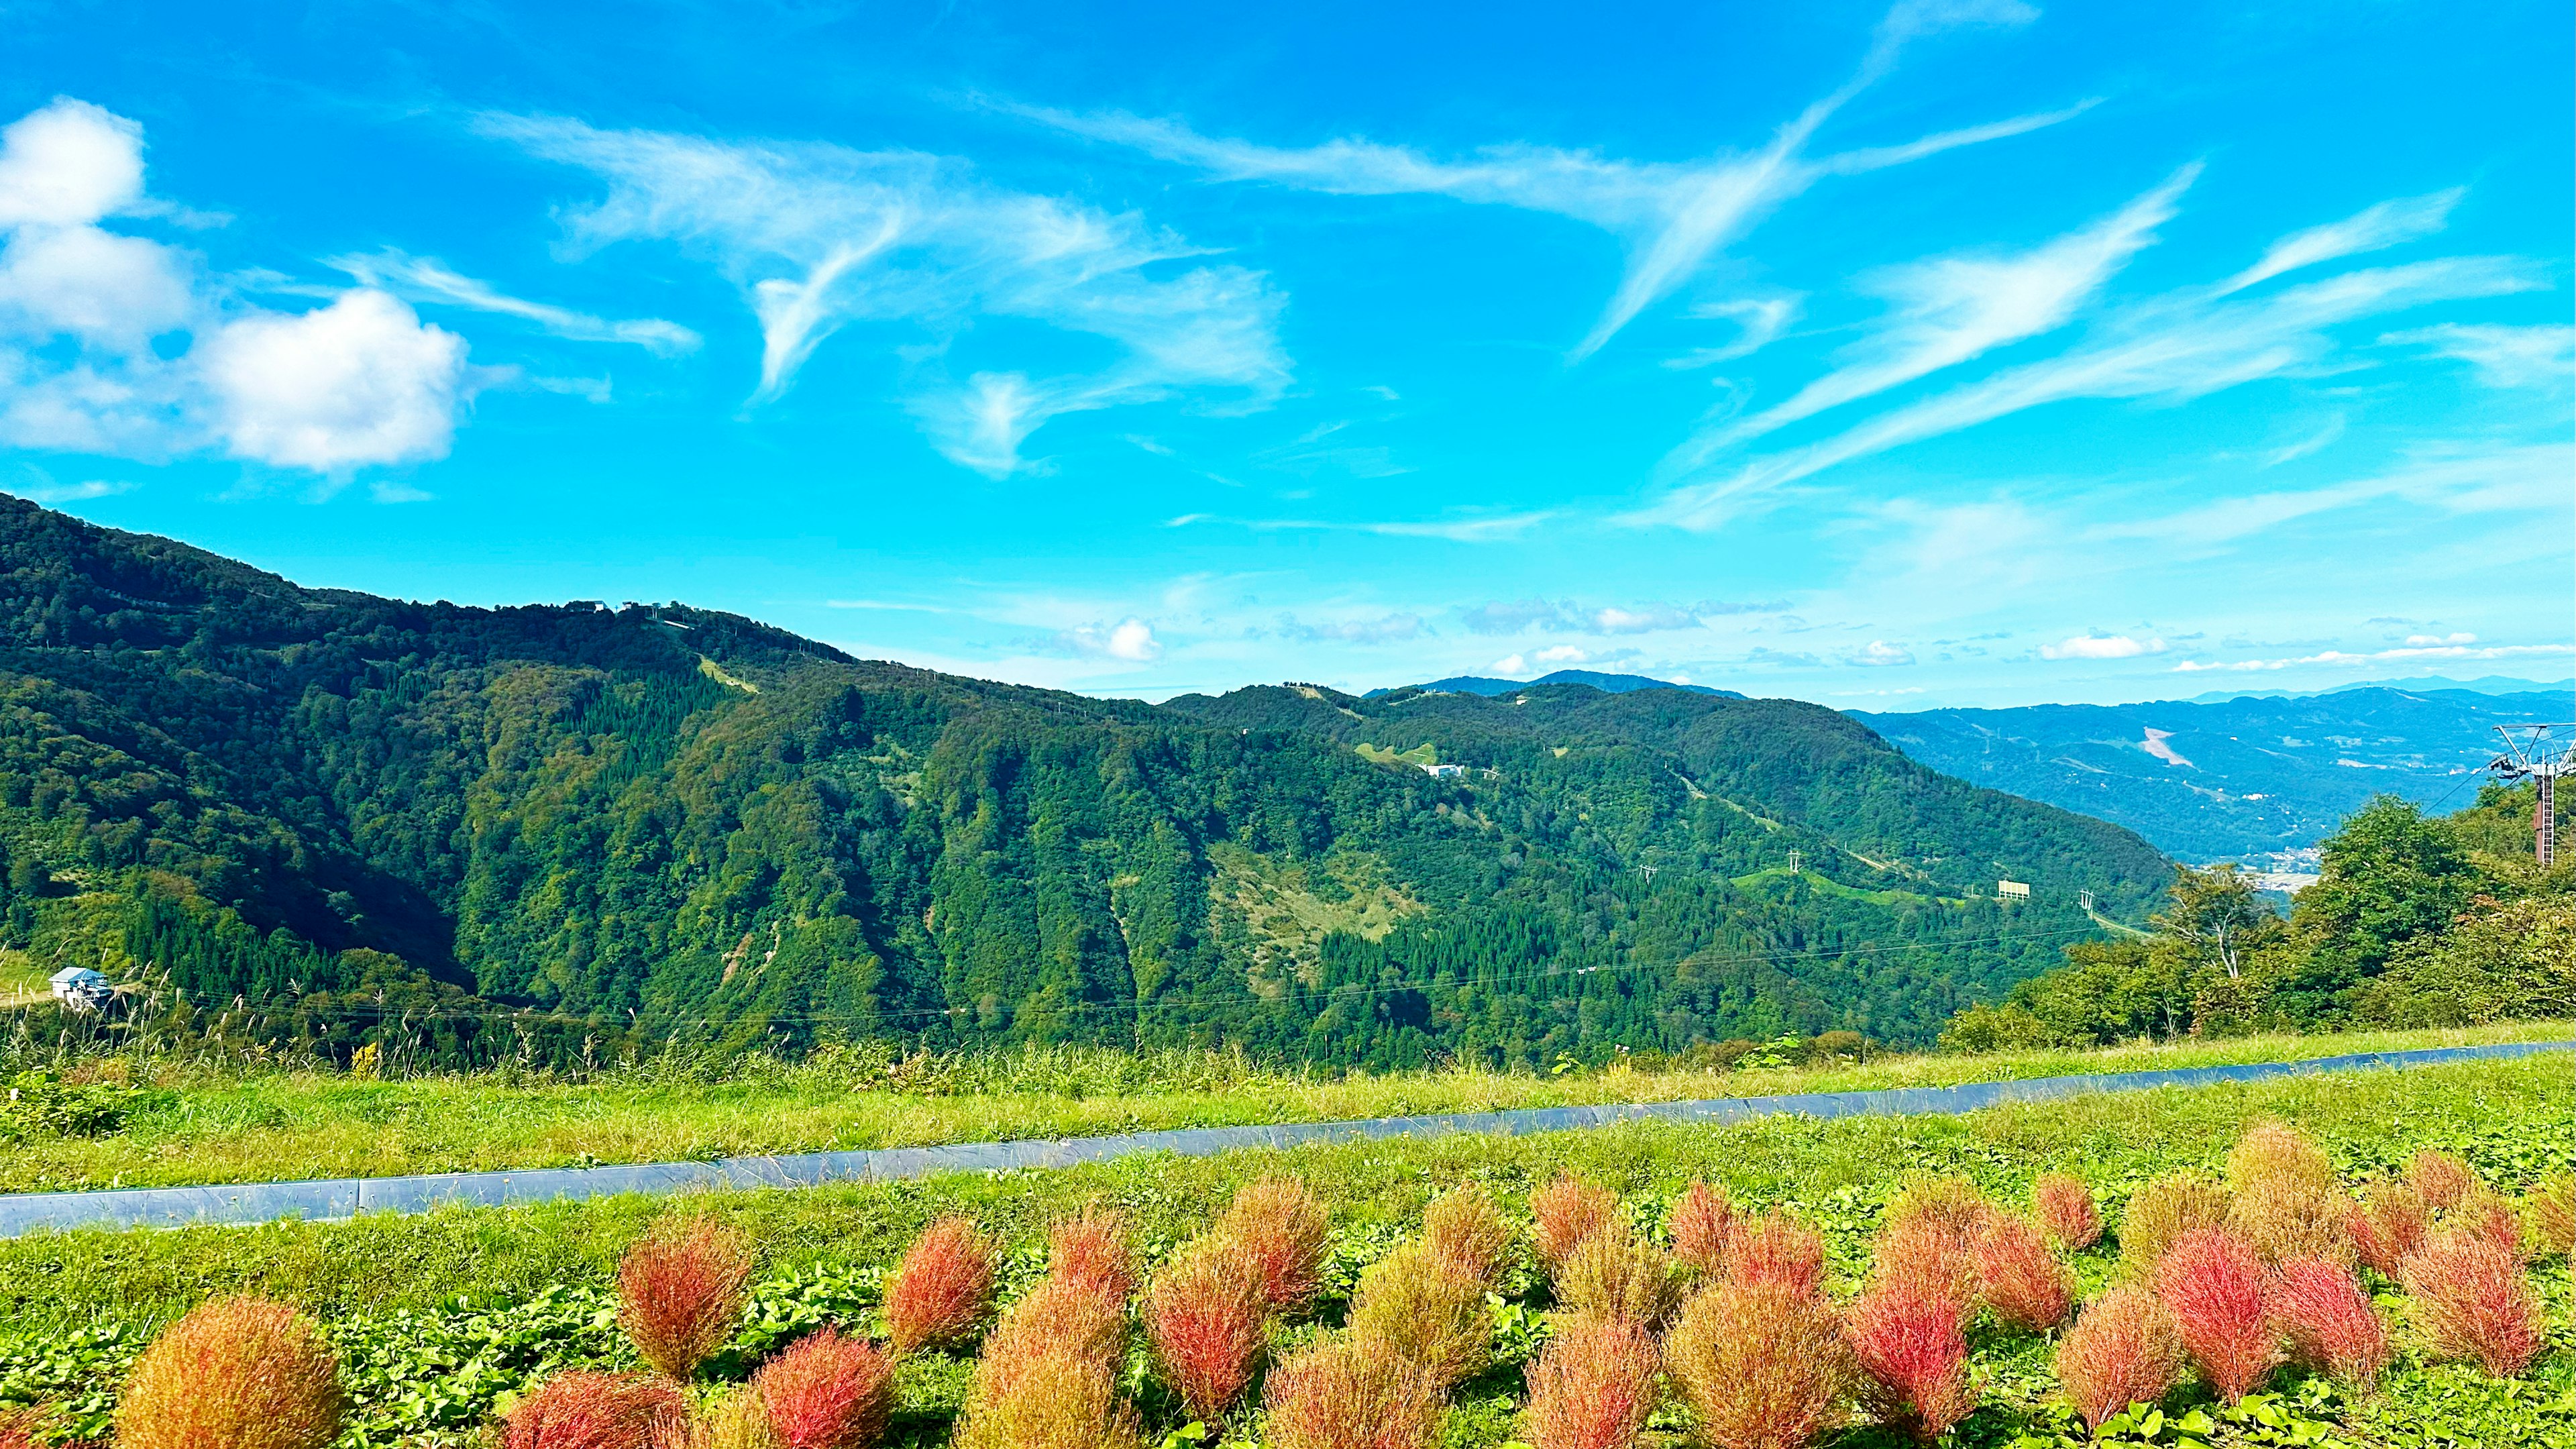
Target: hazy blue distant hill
<point>2227,778</point>
<point>2485,684</point>
<point>1606,683</point>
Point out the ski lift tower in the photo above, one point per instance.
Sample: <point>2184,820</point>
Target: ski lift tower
<point>2539,753</point>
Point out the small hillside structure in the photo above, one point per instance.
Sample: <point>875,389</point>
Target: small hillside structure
<point>79,988</point>
<point>2012,890</point>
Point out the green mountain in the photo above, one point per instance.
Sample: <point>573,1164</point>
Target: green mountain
<point>322,816</point>
<point>2234,778</point>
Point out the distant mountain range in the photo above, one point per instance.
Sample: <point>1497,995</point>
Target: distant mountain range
<point>1606,683</point>
<point>2234,777</point>
<point>2487,684</point>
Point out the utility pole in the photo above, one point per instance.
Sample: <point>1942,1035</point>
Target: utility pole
<point>2540,754</point>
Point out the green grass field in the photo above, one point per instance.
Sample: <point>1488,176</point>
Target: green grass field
<point>202,1125</point>
<point>438,1316</point>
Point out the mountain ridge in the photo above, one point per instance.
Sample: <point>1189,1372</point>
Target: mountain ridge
<point>326,816</point>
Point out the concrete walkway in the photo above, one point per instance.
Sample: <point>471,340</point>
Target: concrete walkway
<point>160,1207</point>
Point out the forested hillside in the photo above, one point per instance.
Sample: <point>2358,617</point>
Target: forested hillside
<point>321,816</point>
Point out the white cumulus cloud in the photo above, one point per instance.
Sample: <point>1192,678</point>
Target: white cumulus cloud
<point>2101,646</point>
<point>117,343</point>
<point>360,381</point>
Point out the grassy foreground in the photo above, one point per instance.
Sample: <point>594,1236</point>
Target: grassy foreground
<point>199,1125</point>
<point>440,1315</point>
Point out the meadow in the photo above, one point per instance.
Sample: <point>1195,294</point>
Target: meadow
<point>180,1120</point>
<point>443,1321</point>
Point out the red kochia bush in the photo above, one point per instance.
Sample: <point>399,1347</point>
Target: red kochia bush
<point>18,1428</point>
<point>1350,1395</point>
<point>680,1293</point>
<point>1281,1229</point>
<point>1772,1251</point>
<point>2491,1215</point>
<point>941,1289</point>
<point>240,1373</point>
<point>1091,1248</point>
<point>1702,1222</point>
<point>2123,1350</point>
<point>1764,1367</point>
<point>584,1410</point>
<point>1592,1386</point>
<point>1569,1210</point>
<point>2216,1286</point>
<point>2066,1212</point>
<point>1912,1346</point>
<point>1925,1257</point>
<point>1205,1314</point>
<point>2319,1309</point>
<point>2388,1228</point>
<point>2443,1179</point>
<point>827,1392</point>
<point>2472,1302</point>
<point>1463,1230</point>
<point>2018,1278</point>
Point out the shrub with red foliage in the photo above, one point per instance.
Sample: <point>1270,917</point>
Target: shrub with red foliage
<point>1773,1251</point>
<point>1912,1347</point>
<point>2472,1303</point>
<point>1058,1316</point>
<point>1281,1230</point>
<point>1091,1247</point>
<point>827,1392</point>
<point>2066,1212</point>
<point>243,1373</point>
<point>1462,1229</point>
<point>18,1428</point>
<point>1347,1394</point>
<point>2492,1216</point>
<point>2444,1180</point>
<point>1924,1257</point>
<point>1205,1315</point>
<point>2123,1350</point>
<point>2218,1290</point>
<point>941,1290</point>
<point>1569,1210</point>
<point>1702,1222</point>
<point>2018,1278</point>
<point>1764,1367</point>
<point>1592,1387</point>
<point>584,1410</point>
<point>2320,1310</point>
<point>680,1293</point>
<point>2388,1226</point>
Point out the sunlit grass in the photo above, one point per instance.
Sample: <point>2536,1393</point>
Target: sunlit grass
<point>210,1126</point>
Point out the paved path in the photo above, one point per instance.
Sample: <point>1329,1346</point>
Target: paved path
<point>23,1213</point>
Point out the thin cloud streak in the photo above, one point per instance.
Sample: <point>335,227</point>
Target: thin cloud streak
<point>819,236</point>
<point>1673,215</point>
<point>1468,530</point>
<point>424,279</point>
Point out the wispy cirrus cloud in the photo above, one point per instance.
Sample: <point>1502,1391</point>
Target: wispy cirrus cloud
<point>1492,528</point>
<point>2538,356</point>
<point>2381,656</point>
<point>2170,348</point>
<point>1952,309</point>
<point>425,279</point>
<point>821,236</point>
<point>1673,216</point>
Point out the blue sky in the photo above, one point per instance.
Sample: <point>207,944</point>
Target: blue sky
<point>1960,352</point>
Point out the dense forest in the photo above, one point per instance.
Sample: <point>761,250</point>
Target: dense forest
<point>323,819</point>
<point>2416,921</point>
